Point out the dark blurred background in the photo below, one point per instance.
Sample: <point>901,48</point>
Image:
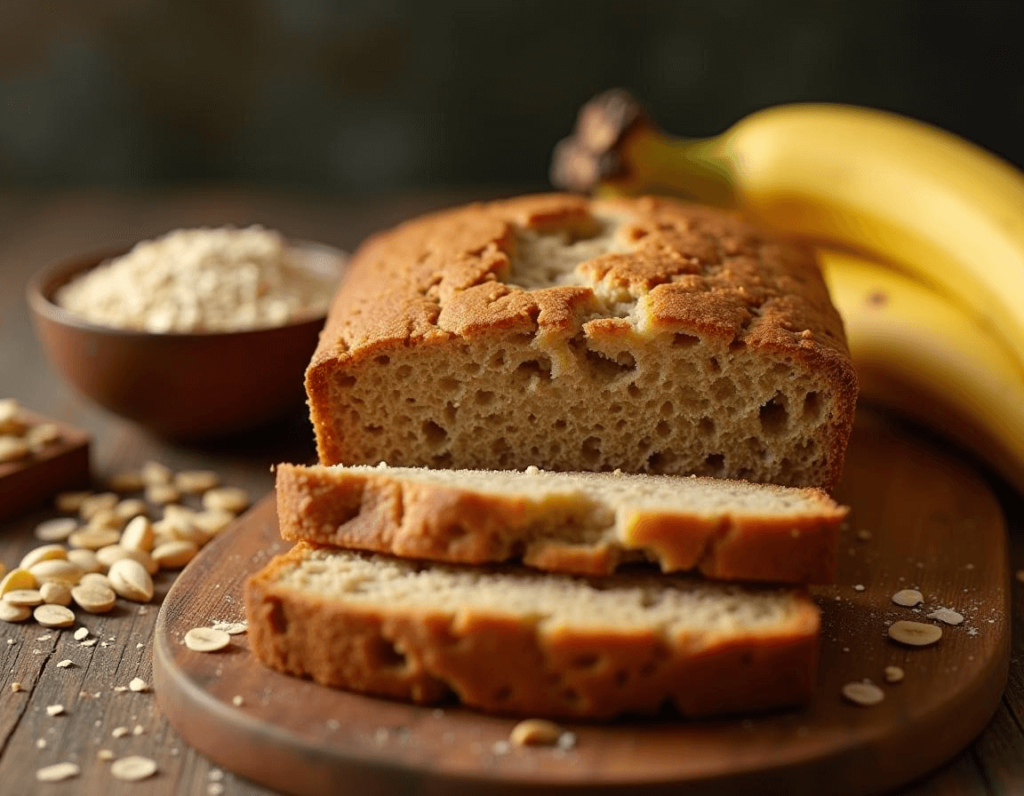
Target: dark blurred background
<point>358,96</point>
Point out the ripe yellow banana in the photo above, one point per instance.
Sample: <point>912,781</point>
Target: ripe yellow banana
<point>920,354</point>
<point>933,204</point>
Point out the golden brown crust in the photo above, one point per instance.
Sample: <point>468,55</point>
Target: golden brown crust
<point>374,510</point>
<point>696,271</point>
<point>503,664</point>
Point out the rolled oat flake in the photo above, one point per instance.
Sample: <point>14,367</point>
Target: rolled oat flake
<point>206,639</point>
<point>914,634</point>
<point>133,768</point>
<point>908,598</point>
<point>863,694</point>
<point>58,772</point>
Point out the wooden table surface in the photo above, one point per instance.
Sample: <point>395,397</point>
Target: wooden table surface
<point>38,228</point>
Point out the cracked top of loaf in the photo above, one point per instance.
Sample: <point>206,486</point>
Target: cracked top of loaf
<point>581,280</point>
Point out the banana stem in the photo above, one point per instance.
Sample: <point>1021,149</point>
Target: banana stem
<point>694,168</point>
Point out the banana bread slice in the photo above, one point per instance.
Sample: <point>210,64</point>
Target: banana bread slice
<point>582,523</point>
<point>511,640</point>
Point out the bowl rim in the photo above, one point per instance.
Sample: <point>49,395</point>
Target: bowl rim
<point>45,282</point>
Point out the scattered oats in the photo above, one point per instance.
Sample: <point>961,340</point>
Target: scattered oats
<point>162,494</point>
<point>133,768</point>
<point>501,747</point>
<point>13,613</point>
<point>70,502</point>
<point>972,631</point>
<point>215,775</point>
<point>16,687</point>
<point>333,724</point>
<point>174,554</point>
<point>60,570</point>
<point>58,772</point>
<point>13,448</point>
<point>908,598</point>
<point>213,521</point>
<point>535,732</point>
<point>46,552</point>
<point>140,646</point>
<point>64,664</point>
<point>947,616</point>
<point>138,535</point>
<point>120,689</point>
<point>138,729</point>
<point>226,498</point>
<point>567,741</point>
<point>120,732</point>
<point>143,610</point>
<point>54,710</point>
<point>195,482</point>
<point>126,481</point>
<point>231,628</point>
<point>914,634</point>
<point>130,509</point>
<point>88,643</point>
<point>93,504</point>
<point>156,473</point>
<point>215,789</point>
<point>138,684</point>
<point>93,538</point>
<point>40,743</point>
<point>56,593</point>
<point>87,561</point>
<point>175,752</point>
<point>863,694</point>
<point>11,421</point>
<point>24,597</point>
<point>206,639</point>
<point>105,755</point>
<point>16,580</point>
<point>130,580</point>
<point>56,530</point>
<point>893,674</point>
<point>40,436</point>
<point>864,534</point>
<point>54,616</point>
<point>81,633</point>
<point>859,587</point>
<point>846,649</point>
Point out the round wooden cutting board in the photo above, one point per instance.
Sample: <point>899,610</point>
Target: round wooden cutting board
<point>920,519</point>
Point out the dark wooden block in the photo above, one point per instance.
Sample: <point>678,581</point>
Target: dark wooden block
<point>32,481</point>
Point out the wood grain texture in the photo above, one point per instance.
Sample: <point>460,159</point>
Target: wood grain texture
<point>934,525</point>
<point>37,228</point>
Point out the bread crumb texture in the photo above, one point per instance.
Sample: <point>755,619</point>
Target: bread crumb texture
<point>571,334</point>
<point>581,523</point>
<point>513,641</point>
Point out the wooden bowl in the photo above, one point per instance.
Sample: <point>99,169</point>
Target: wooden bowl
<point>180,385</point>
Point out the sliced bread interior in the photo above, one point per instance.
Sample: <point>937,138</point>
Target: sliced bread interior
<point>582,523</point>
<point>514,640</point>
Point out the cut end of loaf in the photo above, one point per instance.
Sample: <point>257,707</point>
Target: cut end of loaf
<point>510,641</point>
<point>640,335</point>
